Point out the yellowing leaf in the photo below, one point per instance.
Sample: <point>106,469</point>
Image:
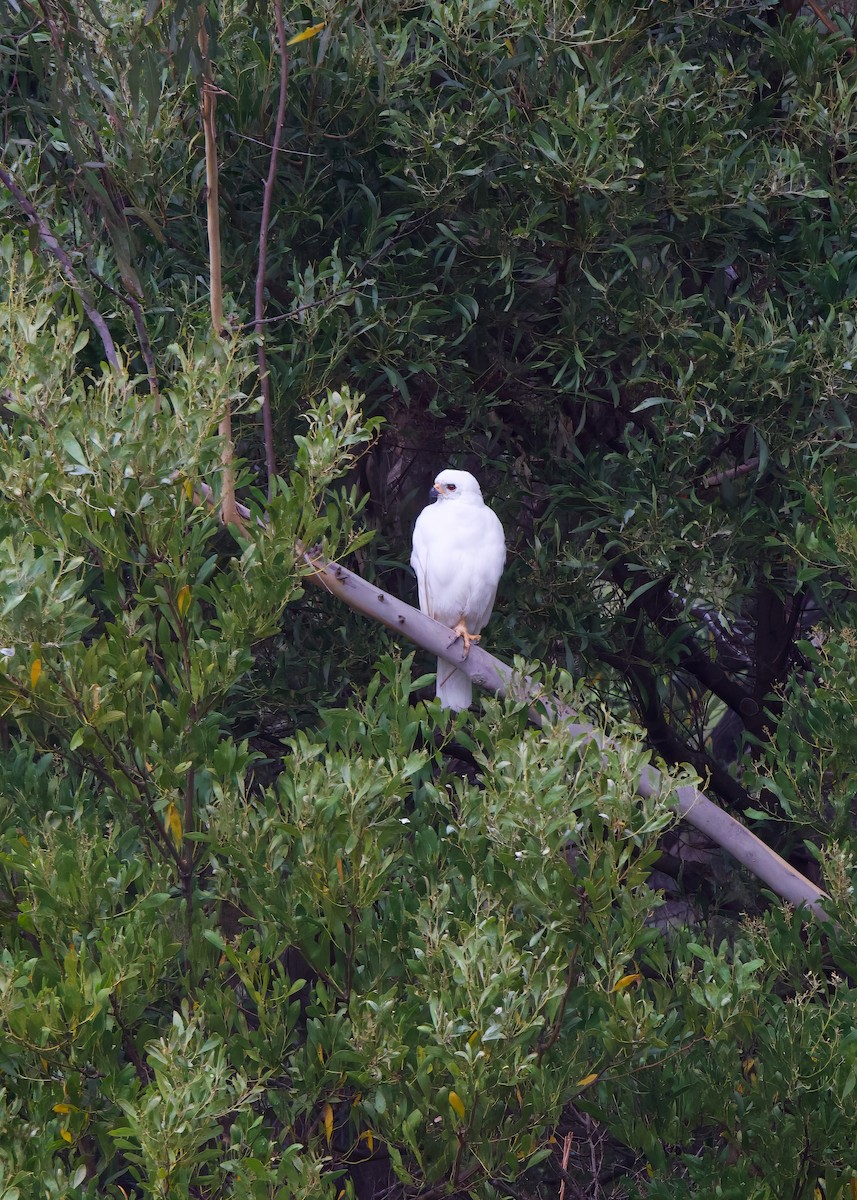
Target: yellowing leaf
<point>35,671</point>
<point>183,601</point>
<point>306,34</point>
<point>339,870</point>
<point>173,823</point>
<point>626,981</point>
<point>587,1079</point>
<point>456,1104</point>
<point>328,1122</point>
<point>64,1108</point>
<point>366,1135</point>
<point>65,1135</point>
<point>320,1053</point>
<point>187,488</point>
<point>474,1037</point>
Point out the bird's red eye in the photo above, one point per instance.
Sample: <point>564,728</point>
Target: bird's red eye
<point>451,487</point>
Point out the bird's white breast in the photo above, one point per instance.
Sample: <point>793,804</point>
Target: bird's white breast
<point>458,556</point>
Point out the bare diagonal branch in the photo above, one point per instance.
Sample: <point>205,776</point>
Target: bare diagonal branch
<point>54,247</point>
<point>493,675</point>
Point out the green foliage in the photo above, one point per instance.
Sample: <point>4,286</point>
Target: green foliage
<point>272,925</point>
<point>769,1107</point>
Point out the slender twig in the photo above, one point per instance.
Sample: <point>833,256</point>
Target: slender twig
<point>100,768</point>
<point>456,1166</point>
<point>294,314</point>
<point>659,1062</point>
<point>442,1189</point>
<point>136,777</point>
<point>143,340</point>
<point>208,104</point>
<point>557,1024</point>
<point>710,482</point>
<point>187,867</point>
<point>506,1189</point>
<point>563,1169</point>
<point>139,324</point>
<point>267,197</point>
<point>52,245</point>
<point>142,1069</point>
<point>829,25</point>
<point>111,204</point>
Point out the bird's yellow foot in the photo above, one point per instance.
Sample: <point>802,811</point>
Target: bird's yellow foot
<point>461,631</point>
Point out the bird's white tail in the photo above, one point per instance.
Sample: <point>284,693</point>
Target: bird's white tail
<point>454,689</point>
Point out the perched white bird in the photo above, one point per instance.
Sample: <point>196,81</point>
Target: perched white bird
<point>458,555</point>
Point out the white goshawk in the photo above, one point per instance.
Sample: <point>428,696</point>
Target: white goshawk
<point>458,555</point>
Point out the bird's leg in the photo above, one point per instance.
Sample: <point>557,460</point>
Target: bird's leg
<point>461,631</point>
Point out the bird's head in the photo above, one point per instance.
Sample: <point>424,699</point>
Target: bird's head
<point>456,485</point>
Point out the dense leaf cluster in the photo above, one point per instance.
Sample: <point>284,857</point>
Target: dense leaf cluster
<point>272,924</point>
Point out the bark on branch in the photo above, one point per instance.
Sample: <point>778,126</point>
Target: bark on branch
<point>267,198</point>
<point>53,246</point>
<point>229,513</point>
<point>496,676</point>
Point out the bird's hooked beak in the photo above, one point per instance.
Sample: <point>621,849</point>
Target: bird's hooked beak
<point>434,491</point>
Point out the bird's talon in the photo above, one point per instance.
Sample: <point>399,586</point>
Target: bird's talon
<point>461,631</point>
